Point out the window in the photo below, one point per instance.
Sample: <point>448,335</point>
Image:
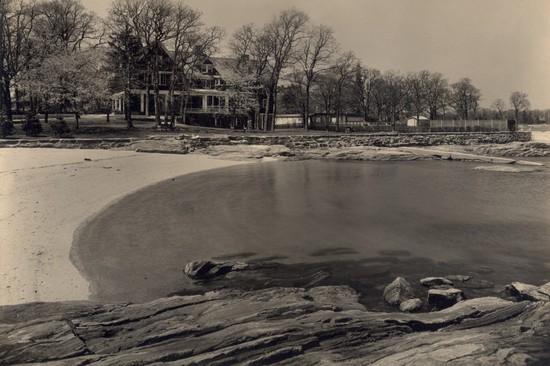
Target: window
<point>207,68</point>
<point>164,79</point>
<point>213,101</point>
<point>217,82</point>
<point>207,84</point>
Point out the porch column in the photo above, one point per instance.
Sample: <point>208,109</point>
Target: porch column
<point>204,102</point>
<point>165,104</point>
<point>226,102</point>
<point>147,104</point>
<point>142,103</point>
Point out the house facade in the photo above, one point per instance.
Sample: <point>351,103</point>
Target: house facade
<point>206,101</point>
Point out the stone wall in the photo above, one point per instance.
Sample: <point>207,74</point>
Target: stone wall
<point>386,140</point>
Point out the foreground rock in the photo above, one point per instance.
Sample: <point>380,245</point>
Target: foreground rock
<point>410,306</point>
<point>290,326</point>
<point>444,297</point>
<point>398,291</point>
<point>524,291</point>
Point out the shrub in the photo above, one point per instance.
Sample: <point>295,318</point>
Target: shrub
<point>59,127</point>
<point>6,127</point>
<point>32,126</point>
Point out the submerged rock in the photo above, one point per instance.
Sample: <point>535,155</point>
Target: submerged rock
<point>435,281</point>
<point>398,291</point>
<point>458,278</point>
<point>443,298</point>
<point>410,306</point>
<point>203,270</point>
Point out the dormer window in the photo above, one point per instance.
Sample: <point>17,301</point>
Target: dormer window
<point>207,68</point>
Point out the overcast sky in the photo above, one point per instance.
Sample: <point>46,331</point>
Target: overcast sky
<point>502,45</point>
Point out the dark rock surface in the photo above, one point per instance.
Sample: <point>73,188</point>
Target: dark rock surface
<point>441,298</point>
<point>435,281</point>
<point>287,326</point>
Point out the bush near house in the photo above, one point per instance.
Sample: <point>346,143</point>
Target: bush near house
<point>6,127</point>
<point>60,128</point>
<point>32,126</point>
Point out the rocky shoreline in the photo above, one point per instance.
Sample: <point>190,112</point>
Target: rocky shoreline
<point>280,325</point>
<point>463,147</point>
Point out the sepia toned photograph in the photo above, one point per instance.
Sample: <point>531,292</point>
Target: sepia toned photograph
<point>275,182</point>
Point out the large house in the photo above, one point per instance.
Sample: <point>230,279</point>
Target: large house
<point>207,100</point>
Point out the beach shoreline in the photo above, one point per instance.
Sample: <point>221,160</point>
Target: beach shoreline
<point>46,194</point>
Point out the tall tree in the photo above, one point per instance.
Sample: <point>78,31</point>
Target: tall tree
<point>500,106</point>
<point>154,24</point>
<point>124,54</point>
<point>437,94</point>
<point>17,51</point>
<point>343,70</point>
<point>417,91</point>
<point>519,102</point>
<point>193,44</point>
<point>314,55</point>
<point>282,34</point>
<point>66,25</point>
<point>251,47</point>
<point>364,84</point>
<point>465,98</point>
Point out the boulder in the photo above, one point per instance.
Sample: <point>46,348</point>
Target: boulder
<point>435,281</point>
<point>203,270</point>
<point>398,291</point>
<point>524,291</point>
<point>443,298</point>
<point>410,306</point>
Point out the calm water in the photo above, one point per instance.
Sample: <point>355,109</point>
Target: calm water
<point>364,222</point>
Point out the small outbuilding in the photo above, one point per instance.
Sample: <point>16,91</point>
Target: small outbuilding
<point>417,121</point>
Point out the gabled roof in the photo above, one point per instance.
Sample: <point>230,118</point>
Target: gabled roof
<point>227,67</point>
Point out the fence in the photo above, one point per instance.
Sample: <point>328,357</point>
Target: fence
<point>423,126</point>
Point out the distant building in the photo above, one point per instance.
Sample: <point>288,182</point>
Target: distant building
<point>207,101</point>
<point>417,121</point>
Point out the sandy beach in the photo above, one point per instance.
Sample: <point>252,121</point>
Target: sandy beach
<point>45,194</point>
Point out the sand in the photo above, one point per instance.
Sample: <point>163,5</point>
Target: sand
<point>45,194</point>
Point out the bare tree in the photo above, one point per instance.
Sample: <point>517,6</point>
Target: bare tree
<point>17,21</point>
<point>252,48</point>
<point>519,102</point>
<point>195,46</point>
<point>282,34</point>
<point>153,23</point>
<point>500,106</point>
<point>364,85</point>
<point>417,91</point>
<point>465,98</point>
<point>343,70</point>
<point>437,94</point>
<point>125,51</point>
<point>314,57</point>
<point>187,24</point>
<point>66,25</point>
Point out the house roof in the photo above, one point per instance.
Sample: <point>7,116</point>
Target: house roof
<point>226,66</point>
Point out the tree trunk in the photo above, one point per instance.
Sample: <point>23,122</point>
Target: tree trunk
<point>306,111</point>
<point>127,91</point>
<point>274,109</point>
<point>6,100</point>
<point>156,87</point>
